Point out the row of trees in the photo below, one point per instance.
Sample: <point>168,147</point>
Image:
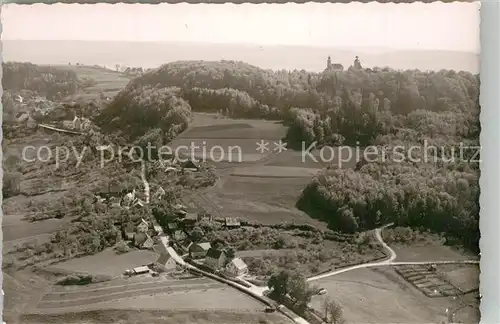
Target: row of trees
<point>443,199</point>
<point>406,90</point>
<point>47,81</point>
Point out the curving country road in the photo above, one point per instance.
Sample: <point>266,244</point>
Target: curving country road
<point>257,291</point>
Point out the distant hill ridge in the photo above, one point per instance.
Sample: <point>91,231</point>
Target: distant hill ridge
<point>151,55</point>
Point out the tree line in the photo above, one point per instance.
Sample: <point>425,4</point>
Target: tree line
<point>50,82</point>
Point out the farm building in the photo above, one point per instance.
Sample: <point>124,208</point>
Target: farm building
<point>232,222</point>
<point>215,259</point>
<point>141,270</point>
<point>143,226</point>
<point>165,262</point>
<point>143,241</point>
<point>236,267</point>
<point>199,250</point>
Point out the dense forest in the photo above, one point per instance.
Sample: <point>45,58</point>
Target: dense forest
<point>46,81</point>
<point>147,114</point>
<point>379,106</point>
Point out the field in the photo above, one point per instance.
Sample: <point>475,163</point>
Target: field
<point>156,317</point>
<point>381,296</point>
<point>429,252</point>
<point>464,277</point>
<point>108,263</point>
<point>291,158</point>
<point>15,229</point>
<point>107,81</point>
<point>265,200</point>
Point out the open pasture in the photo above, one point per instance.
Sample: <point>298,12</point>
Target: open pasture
<point>218,150</point>
<point>16,229</point>
<point>108,82</point>
<point>381,296</point>
<point>275,172</point>
<point>315,159</point>
<point>264,200</point>
<point>429,251</point>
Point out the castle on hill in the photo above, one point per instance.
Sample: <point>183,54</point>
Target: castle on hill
<point>337,67</point>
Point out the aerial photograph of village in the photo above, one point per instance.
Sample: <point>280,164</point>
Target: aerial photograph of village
<point>261,173</point>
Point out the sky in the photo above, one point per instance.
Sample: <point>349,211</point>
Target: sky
<point>431,26</point>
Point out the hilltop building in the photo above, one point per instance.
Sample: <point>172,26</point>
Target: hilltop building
<point>333,67</point>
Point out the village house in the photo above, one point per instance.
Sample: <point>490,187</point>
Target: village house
<point>129,198</point>
<point>166,263</point>
<point>199,250</point>
<point>158,229</point>
<point>172,226</point>
<point>22,116</point>
<point>143,226</point>
<point>158,195</point>
<point>129,231</point>
<point>179,235</point>
<point>215,259</point>
<point>143,241</point>
<point>190,220</point>
<point>232,222</point>
<point>236,267</point>
<point>207,217</point>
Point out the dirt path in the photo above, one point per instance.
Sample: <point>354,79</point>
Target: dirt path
<point>387,262</point>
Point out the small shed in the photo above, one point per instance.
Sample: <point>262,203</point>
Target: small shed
<point>141,270</point>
